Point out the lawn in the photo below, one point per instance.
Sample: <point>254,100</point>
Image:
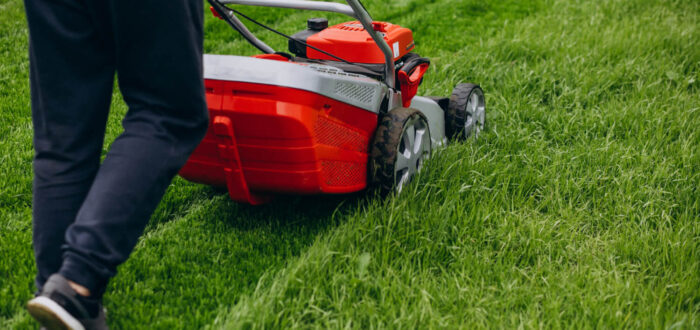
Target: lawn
<point>578,207</point>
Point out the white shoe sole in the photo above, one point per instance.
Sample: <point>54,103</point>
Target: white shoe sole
<point>52,315</point>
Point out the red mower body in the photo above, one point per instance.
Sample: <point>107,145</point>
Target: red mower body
<point>266,139</point>
<point>305,124</point>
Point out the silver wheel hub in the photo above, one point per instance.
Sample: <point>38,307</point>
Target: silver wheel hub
<point>414,148</point>
<point>476,114</point>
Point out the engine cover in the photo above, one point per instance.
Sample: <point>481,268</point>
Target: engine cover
<point>351,42</point>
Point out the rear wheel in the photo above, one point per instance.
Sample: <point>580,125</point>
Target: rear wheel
<point>401,146</point>
<point>466,113</point>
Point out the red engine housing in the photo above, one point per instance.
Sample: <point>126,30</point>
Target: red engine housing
<point>351,42</point>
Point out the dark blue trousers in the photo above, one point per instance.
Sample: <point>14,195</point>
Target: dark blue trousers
<point>87,216</point>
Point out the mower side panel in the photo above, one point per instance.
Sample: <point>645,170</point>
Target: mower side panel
<point>436,118</point>
<point>286,141</point>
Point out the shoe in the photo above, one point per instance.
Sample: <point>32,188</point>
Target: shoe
<point>58,306</point>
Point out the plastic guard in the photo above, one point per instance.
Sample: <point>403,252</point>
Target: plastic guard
<point>228,151</point>
<point>410,77</point>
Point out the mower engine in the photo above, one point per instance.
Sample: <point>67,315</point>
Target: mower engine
<point>350,41</point>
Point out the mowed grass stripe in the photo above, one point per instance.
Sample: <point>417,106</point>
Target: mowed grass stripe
<point>184,270</point>
<point>16,258</point>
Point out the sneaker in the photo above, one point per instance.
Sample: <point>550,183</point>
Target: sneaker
<point>58,306</point>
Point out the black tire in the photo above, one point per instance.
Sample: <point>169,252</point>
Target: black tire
<point>386,146</point>
<point>460,121</point>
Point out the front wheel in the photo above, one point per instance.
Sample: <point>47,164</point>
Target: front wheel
<point>466,113</point>
<point>401,146</point>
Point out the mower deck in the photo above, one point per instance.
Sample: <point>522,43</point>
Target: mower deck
<point>282,127</point>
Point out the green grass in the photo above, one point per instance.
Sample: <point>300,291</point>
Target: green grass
<point>578,208</point>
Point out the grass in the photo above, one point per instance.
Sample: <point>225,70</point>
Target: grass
<point>578,208</point>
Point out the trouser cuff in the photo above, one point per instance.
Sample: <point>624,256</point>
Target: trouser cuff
<point>80,272</point>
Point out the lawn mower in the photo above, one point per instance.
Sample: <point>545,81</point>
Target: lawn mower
<point>337,114</point>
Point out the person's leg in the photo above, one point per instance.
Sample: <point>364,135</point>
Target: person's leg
<point>159,67</point>
<point>72,77</point>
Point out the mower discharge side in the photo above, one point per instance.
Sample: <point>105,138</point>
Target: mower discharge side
<point>281,124</point>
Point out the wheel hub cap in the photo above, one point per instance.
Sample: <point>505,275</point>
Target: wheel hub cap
<point>413,148</point>
<point>476,110</point>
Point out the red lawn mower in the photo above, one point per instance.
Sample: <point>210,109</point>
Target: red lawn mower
<point>337,115</point>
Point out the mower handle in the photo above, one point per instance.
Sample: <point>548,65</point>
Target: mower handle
<point>353,9</point>
<point>297,4</point>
